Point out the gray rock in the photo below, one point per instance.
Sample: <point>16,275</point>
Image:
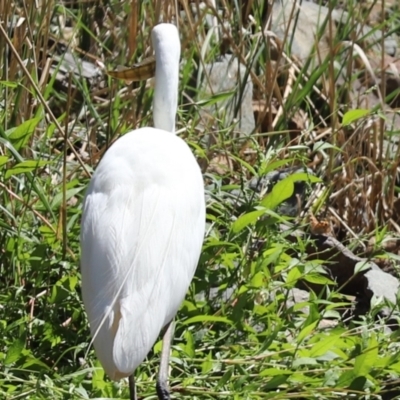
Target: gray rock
<point>382,284</point>
<point>301,32</point>
<point>310,19</point>
<point>297,296</point>
<point>68,63</point>
<point>228,75</point>
<point>357,276</point>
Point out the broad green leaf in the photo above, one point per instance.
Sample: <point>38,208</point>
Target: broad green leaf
<point>63,288</point>
<point>354,115</point>
<point>300,306</point>
<point>258,280</point>
<point>276,381</point>
<point>24,167</point>
<point>293,276</point>
<point>207,318</point>
<point>304,177</point>
<point>284,189</point>
<point>225,378</point>
<point>273,166</point>
<point>98,377</point>
<point>367,360</point>
<point>3,160</point>
<point>361,266</point>
<point>318,279</point>
<point>157,348</point>
<point>14,351</point>
<point>280,192</point>
<point>359,384</point>
<point>69,193</point>
<point>382,362</point>
<point>81,391</point>
<point>346,379</point>
<point>189,347</point>
<point>306,331</point>
<point>323,345</point>
<point>48,234</point>
<point>247,219</point>
<point>274,372</point>
<point>395,367</point>
<point>331,377</point>
<point>20,135</point>
<point>32,362</point>
<point>298,362</point>
<point>332,314</point>
<point>207,365</point>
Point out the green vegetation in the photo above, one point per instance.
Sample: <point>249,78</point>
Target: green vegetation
<point>244,339</point>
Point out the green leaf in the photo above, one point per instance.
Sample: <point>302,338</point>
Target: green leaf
<point>285,189</point>
<point>293,276</point>
<point>245,164</point>
<point>359,384</point>
<point>264,169</point>
<point>225,378</point>
<point>258,280</point>
<point>51,128</point>
<point>318,279</point>
<point>216,98</point>
<point>323,345</point>
<point>32,362</point>
<point>298,362</point>
<point>274,372</point>
<point>207,318</point>
<point>354,115</point>
<point>24,167</point>
<point>189,347</point>
<point>69,193</point>
<point>395,367</point>
<point>304,177</point>
<point>207,365</point>
<point>280,192</point>
<point>14,351</point>
<point>247,219</point>
<point>63,288</point>
<point>3,160</point>
<point>366,361</point>
<point>98,377</point>
<point>9,84</point>
<point>345,379</point>
<point>306,331</point>
<point>20,135</point>
<point>361,266</point>
<point>276,381</point>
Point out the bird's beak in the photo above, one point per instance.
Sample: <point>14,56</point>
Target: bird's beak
<point>138,72</point>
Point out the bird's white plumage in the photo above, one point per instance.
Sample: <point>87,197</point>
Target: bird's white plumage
<point>165,39</point>
<point>142,232</point>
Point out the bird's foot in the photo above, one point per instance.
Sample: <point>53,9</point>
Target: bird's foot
<point>162,390</point>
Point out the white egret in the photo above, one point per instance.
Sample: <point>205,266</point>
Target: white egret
<point>142,231</point>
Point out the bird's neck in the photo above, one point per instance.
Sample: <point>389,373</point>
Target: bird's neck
<point>165,101</point>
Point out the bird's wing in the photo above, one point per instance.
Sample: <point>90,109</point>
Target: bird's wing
<point>140,248</point>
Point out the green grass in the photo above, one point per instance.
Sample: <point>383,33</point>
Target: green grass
<point>245,341</point>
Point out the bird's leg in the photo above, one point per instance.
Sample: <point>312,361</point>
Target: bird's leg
<point>162,381</point>
<point>132,387</point>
